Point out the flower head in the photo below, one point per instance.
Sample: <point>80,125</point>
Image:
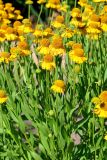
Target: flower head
<point>3,96</point>
<point>43,47</point>
<point>29,2</point>
<point>105,137</point>
<point>56,46</point>
<point>58,86</point>
<point>55,4</point>
<point>48,63</point>
<point>41,1</point>
<point>82,3</point>
<point>77,55</point>
<point>101,104</point>
<point>58,22</point>
<point>76,12</point>
<point>23,48</point>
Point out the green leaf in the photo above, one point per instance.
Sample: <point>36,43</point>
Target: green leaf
<point>21,124</point>
<point>105,75</point>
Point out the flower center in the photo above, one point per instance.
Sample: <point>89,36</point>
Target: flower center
<point>54,1</point>
<point>48,58</point>
<point>57,42</point>
<point>79,52</point>
<point>44,42</point>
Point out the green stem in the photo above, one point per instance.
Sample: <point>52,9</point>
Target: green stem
<point>93,129</point>
<point>39,14</point>
<point>102,134</point>
<point>29,11</point>
<point>75,3</point>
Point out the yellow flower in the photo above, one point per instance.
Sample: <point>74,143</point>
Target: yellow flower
<point>25,52</point>
<point>47,32</point>
<point>99,1</point>
<point>77,55</point>
<point>11,15</point>
<point>58,86</point>
<point>104,23</point>
<point>21,38</point>
<point>27,29</point>
<point>2,35</point>
<point>94,20</point>
<point>14,53</point>
<point>17,24</point>
<point>55,4</point>
<point>86,14</point>
<point>68,33</point>
<point>76,45</point>
<point>10,35</point>
<point>76,12</point>
<point>56,47</point>
<point>1,2</point>
<point>48,62</point>
<point>8,7</point>
<point>103,96</point>
<point>58,22</point>
<point>70,44</point>
<point>41,1</point>
<point>95,100</point>
<point>37,33</point>
<point>3,96</point>
<point>82,3</point>
<point>63,7</point>
<point>29,2</point>
<point>101,104</point>
<point>101,111</point>
<point>104,10</point>
<point>105,137</point>
<point>44,46</point>
<point>24,49</point>
<point>26,22</point>
<point>18,17</point>
<point>18,14</point>
<point>77,22</point>
<point>93,29</point>
<point>4,57</point>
